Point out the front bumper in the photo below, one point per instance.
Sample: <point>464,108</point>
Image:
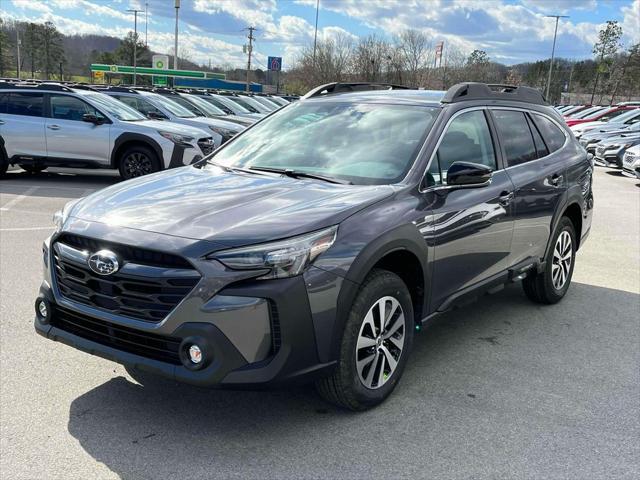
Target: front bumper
<point>252,333</point>
<point>609,158</point>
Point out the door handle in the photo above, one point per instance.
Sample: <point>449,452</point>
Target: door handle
<point>53,127</point>
<point>556,179</point>
<point>1,122</point>
<point>505,198</point>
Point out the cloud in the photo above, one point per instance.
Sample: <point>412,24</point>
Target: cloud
<point>31,5</point>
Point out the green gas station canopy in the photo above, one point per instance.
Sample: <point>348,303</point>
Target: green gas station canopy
<point>99,67</point>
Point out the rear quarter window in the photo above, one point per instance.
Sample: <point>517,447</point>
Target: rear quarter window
<point>515,136</point>
<point>553,136</point>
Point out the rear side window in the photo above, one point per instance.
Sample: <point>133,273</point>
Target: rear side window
<point>610,115</point>
<point>28,104</point>
<point>515,136</point>
<point>553,136</point>
<point>4,99</point>
<point>541,148</point>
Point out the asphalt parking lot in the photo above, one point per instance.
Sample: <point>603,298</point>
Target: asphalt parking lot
<point>500,389</point>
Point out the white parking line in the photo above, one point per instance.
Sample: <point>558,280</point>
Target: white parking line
<point>25,229</point>
<point>18,198</point>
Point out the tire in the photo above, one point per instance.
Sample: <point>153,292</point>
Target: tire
<point>4,165</point>
<point>349,387</point>
<point>33,169</point>
<point>137,161</point>
<point>546,287</point>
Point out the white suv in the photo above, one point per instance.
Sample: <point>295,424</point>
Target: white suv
<point>46,124</point>
<point>631,162</point>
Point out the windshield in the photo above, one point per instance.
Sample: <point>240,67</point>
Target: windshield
<point>205,106</point>
<point>587,112</point>
<point>255,104</point>
<point>115,107</point>
<point>624,117</point>
<point>171,106</point>
<point>187,104</point>
<point>236,107</point>
<point>367,144</point>
<point>243,103</point>
<point>266,103</point>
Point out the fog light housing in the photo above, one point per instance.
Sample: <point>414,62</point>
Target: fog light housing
<point>42,310</point>
<point>195,354</point>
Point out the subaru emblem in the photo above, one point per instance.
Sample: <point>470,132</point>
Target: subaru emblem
<point>104,262</point>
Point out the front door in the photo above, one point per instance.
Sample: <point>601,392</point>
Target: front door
<point>69,137</point>
<point>471,228</point>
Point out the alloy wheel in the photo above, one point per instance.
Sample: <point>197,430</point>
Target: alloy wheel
<point>137,164</point>
<point>380,342</point>
<point>561,262</point>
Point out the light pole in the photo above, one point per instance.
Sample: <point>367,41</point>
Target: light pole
<point>315,35</point>
<point>175,46</point>
<point>553,50</point>
<point>135,42</point>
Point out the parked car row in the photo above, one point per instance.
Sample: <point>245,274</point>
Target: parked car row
<point>135,130</point>
<point>608,133</point>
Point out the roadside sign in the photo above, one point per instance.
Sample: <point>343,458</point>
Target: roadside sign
<point>274,63</point>
<point>98,76</point>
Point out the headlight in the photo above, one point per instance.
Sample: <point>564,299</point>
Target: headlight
<point>60,217</point>
<point>224,132</point>
<point>284,258</point>
<point>178,139</point>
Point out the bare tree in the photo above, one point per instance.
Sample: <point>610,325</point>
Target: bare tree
<point>413,48</point>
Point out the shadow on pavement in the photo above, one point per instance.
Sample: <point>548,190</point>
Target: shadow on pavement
<point>57,183</point>
<point>472,391</point>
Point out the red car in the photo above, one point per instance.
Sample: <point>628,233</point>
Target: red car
<point>601,115</point>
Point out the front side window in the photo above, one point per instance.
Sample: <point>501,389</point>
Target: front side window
<point>467,139</point>
<point>141,105</point>
<point>172,107</point>
<point>610,115</point>
<point>28,104</point>
<point>515,136</point>
<point>66,107</point>
<point>553,136</point>
<point>187,105</point>
<point>116,108</point>
<point>370,144</point>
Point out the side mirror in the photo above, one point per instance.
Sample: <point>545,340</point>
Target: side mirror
<point>467,174</point>
<point>91,118</point>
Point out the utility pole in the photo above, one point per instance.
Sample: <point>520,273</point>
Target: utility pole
<point>175,46</point>
<point>315,35</point>
<point>553,50</point>
<point>146,24</point>
<point>135,42</point>
<point>249,50</point>
<point>18,50</point>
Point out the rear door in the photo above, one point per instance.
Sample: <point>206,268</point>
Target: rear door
<point>536,168</point>
<point>71,138</point>
<point>22,124</point>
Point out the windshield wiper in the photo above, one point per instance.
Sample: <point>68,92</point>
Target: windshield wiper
<point>300,174</point>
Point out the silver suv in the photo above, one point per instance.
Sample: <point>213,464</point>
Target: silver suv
<point>43,125</point>
<point>154,105</point>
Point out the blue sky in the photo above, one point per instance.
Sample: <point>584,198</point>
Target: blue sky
<point>511,31</point>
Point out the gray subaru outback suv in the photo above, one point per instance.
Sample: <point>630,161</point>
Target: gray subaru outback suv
<point>317,243</point>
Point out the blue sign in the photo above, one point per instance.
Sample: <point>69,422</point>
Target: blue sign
<point>274,64</point>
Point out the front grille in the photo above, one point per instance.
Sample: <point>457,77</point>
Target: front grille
<point>276,336</point>
<point>149,345</point>
<point>600,151</point>
<point>629,158</point>
<point>146,291</point>
<point>206,145</point>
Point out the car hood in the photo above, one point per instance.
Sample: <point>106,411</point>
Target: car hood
<point>228,208</point>
<point>216,122</point>
<point>167,126</point>
<point>621,139</point>
<point>244,121</point>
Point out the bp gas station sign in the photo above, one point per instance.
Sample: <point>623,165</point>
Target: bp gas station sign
<point>160,62</point>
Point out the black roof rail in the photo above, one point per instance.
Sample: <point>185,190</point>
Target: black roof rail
<point>462,92</point>
<point>82,86</point>
<point>343,87</point>
<point>115,88</point>
<point>36,86</point>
